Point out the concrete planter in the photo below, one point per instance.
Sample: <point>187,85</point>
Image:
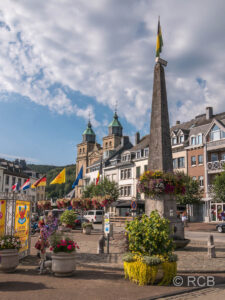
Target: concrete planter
<point>63,264</point>
<point>9,260</point>
<point>87,230</point>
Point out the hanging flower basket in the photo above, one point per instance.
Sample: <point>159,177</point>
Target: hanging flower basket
<point>45,204</point>
<point>158,183</point>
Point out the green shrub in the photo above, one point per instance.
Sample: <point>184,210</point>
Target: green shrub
<point>149,235</point>
<point>68,217</point>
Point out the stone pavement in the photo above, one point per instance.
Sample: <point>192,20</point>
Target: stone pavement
<point>217,292</point>
<point>192,259</point>
<point>100,276</point>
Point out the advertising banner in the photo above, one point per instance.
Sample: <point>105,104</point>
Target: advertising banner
<point>2,216</point>
<point>22,223</point>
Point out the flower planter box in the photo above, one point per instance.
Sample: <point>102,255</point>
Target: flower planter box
<point>63,264</point>
<point>9,260</point>
<point>143,274</point>
<point>87,230</point>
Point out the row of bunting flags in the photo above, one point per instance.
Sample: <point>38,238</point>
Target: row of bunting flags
<point>60,178</point>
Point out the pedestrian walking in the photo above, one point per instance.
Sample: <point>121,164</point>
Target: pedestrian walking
<point>42,244</point>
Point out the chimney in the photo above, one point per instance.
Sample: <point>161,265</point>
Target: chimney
<point>209,112</point>
<point>137,138</point>
<point>177,122</point>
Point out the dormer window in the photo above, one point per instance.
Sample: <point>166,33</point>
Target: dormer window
<point>193,140</point>
<point>181,139</point>
<point>216,133</point>
<point>174,141</point>
<point>138,154</point>
<point>145,152</point>
<point>199,139</point>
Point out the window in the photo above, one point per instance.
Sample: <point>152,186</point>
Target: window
<point>199,138</point>
<point>90,213</point>
<point>200,159</point>
<point>6,190</point>
<point>83,150</point>
<point>138,172</point>
<point>146,152</point>
<point>80,150</point>
<point>13,180</point>
<point>121,191</point>
<point>201,181</point>
<point>19,181</point>
<point>174,141</point>
<point>125,174</point>
<point>145,168</point>
<point>128,173</point>
<point>181,162</point>
<point>193,161</point>
<point>194,178</point>
<point>214,156</point>
<point>193,140</point>
<point>7,179</point>
<point>122,174</point>
<point>110,144</point>
<point>175,163</point>
<point>222,158</point>
<point>129,190</point>
<point>181,139</point>
<point>216,133</point>
<point>138,154</point>
<point>125,191</point>
<point>106,145</point>
<point>99,213</point>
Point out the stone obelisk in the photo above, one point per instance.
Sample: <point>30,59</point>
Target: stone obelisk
<point>160,152</point>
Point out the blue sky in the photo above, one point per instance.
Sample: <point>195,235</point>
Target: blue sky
<point>63,60</point>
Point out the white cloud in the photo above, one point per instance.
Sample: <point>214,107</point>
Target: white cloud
<point>105,49</point>
<point>13,157</point>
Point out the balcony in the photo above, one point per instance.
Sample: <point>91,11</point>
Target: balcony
<point>215,166</point>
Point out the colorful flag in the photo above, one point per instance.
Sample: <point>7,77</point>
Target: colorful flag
<point>79,176</point>
<point>159,40</point>
<point>26,185</point>
<point>98,177</point>
<point>60,178</point>
<point>40,182</point>
<point>15,187</point>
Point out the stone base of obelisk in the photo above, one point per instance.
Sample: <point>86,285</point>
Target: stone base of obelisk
<point>166,206</point>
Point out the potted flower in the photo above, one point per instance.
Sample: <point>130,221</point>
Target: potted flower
<point>9,257</point>
<point>63,256</point>
<point>151,257</point>
<point>68,218</point>
<point>87,227</point>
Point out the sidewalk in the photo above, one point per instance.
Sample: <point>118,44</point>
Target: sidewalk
<point>101,276</point>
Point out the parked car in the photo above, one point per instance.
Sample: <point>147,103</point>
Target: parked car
<point>220,227</point>
<point>95,216</point>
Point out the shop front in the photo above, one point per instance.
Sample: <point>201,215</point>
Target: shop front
<point>217,212</point>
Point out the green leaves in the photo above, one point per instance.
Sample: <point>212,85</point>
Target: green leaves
<point>149,235</point>
<point>219,187</point>
<point>104,187</point>
<point>68,217</point>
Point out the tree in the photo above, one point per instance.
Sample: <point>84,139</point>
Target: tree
<point>193,192</point>
<point>105,187</point>
<point>218,187</point>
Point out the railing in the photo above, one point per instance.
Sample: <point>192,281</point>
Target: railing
<point>215,165</point>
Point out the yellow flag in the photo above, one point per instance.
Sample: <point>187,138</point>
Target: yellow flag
<point>60,178</point>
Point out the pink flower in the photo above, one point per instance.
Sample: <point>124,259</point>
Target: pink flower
<point>51,248</point>
<point>58,245</point>
<point>69,247</point>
